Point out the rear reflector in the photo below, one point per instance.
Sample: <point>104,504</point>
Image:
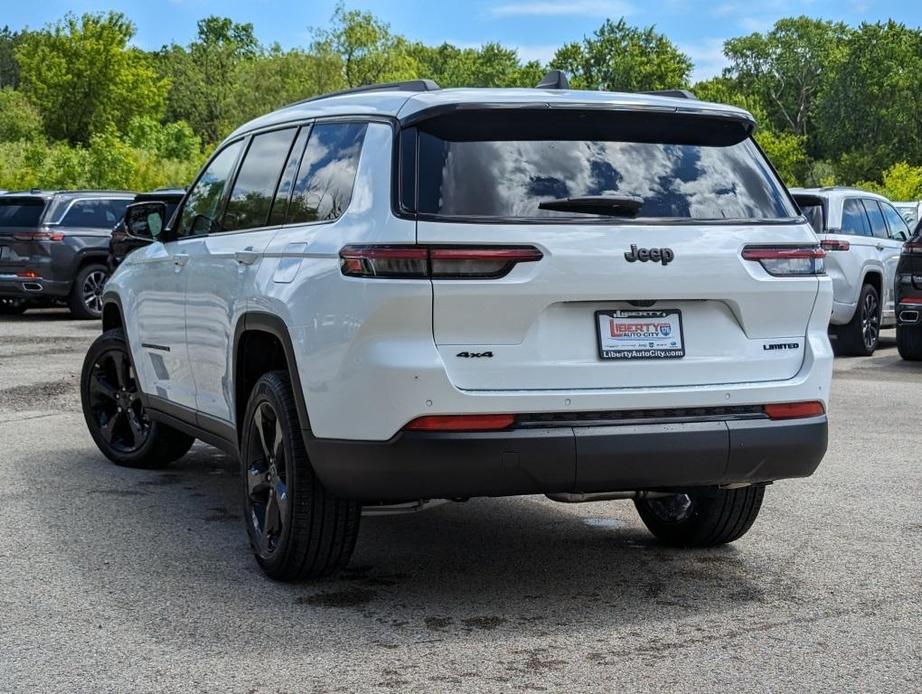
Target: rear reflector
<point>784,261</point>
<point>911,300</point>
<point>834,245</point>
<point>435,262</point>
<point>462,422</point>
<point>38,236</point>
<point>912,248</point>
<point>29,275</point>
<point>795,410</point>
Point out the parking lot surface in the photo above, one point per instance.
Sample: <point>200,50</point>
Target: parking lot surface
<point>127,580</point>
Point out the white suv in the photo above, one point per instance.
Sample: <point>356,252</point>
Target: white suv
<point>403,293</point>
<point>863,235</point>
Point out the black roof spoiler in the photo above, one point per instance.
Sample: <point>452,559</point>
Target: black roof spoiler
<point>555,79</point>
<point>674,93</point>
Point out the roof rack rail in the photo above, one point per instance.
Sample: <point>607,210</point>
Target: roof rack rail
<point>674,93</point>
<point>554,79</point>
<point>406,86</point>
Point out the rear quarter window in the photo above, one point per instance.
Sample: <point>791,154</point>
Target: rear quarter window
<point>508,170</point>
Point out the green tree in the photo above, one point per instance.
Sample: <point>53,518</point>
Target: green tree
<point>620,57</point>
<point>368,52</point>
<point>491,65</point>
<point>204,74</point>
<point>785,68</point>
<point>84,78</point>
<point>869,116</point>
<point>9,68</point>
<point>19,119</point>
<point>900,182</point>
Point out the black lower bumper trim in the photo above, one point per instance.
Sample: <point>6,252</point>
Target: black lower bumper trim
<point>415,465</point>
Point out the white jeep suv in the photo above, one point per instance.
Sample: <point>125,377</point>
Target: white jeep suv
<point>403,293</point>
<point>863,235</point>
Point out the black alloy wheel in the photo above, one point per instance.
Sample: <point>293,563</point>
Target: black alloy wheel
<point>267,502</point>
<point>870,321</point>
<point>115,402</point>
<point>91,290</point>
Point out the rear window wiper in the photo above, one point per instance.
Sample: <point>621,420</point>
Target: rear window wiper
<point>612,205</point>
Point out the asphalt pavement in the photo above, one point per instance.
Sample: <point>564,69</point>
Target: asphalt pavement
<point>126,580</point>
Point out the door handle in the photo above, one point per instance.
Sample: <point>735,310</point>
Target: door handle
<point>880,246</point>
<point>180,259</point>
<point>246,257</point>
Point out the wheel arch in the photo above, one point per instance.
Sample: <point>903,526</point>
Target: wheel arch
<point>112,314</point>
<point>262,343</point>
<point>875,277</point>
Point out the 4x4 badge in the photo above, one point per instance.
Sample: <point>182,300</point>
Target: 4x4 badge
<point>657,255</point>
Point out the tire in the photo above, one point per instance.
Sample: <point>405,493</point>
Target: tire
<point>297,529</point>
<point>909,342</point>
<point>13,307</point>
<point>861,335</point>
<point>85,299</point>
<point>701,517</point>
<point>114,413</point>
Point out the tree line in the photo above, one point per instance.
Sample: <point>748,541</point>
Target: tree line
<point>80,106</point>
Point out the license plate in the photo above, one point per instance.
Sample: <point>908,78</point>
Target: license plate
<point>640,334</point>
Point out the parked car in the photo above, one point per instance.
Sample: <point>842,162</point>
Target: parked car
<point>863,235</point>
<point>53,248</point>
<point>402,293</point>
<point>909,298</point>
<point>121,243</point>
<point>909,211</point>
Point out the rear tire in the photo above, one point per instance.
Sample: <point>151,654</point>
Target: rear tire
<point>113,411</point>
<point>297,529</point>
<point>861,335</point>
<point>909,342</point>
<point>85,300</point>
<point>13,307</point>
<point>701,517</point>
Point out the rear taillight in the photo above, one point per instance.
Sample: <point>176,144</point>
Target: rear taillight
<point>795,410</point>
<point>912,248</point>
<point>38,236</point>
<point>787,261</point>
<point>462,422</point>
<point>435,262</point>
<point>834,245</point>
<point>911,300</point>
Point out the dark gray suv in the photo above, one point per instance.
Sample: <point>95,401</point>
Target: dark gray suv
<point>54,246</point>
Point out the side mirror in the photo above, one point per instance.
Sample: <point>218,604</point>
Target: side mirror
<point>145,220</point>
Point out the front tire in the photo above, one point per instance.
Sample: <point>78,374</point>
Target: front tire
<point>860,337</point>
<point>114,414</point>
<point>297,529</point>
<point>702,517</point>
<point>909,342</point>
<point>85,300</point>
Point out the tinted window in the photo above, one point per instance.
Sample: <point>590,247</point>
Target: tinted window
<point>254,189</point>
<point>814,214</point>
<point>280,206</point>
<point>854,220</point>
<point>898,228</point>
<point>679,172</point>
<point>199,214</point>
<point>323,189</point>
<point>20,212</point>
<point>876,217</point>
<point>94,214</point>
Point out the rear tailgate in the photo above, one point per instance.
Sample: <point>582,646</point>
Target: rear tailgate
<point>658,300</point>
<point>20,218</point>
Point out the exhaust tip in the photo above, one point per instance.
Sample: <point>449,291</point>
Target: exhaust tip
<point>32,287</point>
<point>909,316</point>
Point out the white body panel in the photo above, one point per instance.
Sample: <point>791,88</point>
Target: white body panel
<point>373,355</point>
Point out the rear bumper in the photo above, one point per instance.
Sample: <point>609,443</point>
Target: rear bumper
<point>12,285</point>
<point>623,457</point>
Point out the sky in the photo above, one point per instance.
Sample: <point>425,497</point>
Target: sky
<point>534,27</point>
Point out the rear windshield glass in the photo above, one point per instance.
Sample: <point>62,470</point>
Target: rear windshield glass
<point>21,213</point>
<point>814,214</point>
<point>509,172</point>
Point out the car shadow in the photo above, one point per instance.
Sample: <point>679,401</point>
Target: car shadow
<point>459,569</point>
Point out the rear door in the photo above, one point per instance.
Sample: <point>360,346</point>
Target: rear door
<point>887,253</point>
<point>890,254</point>
<point>223,265</point>
<point>655,296</point>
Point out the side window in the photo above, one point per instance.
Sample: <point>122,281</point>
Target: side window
<point>254,188</point>
<point>898,229</point>
<point>878,225</point>
<point>280,206</point>
<point>117,209</point>
<point>854,220</point>
<point>92,214</point>
<point>323,188</point>
<point>199,214</point>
